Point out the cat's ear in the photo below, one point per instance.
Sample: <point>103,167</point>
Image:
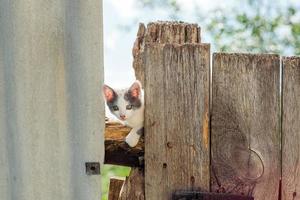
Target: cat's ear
<point>135,89</point>
<point>108,93</point>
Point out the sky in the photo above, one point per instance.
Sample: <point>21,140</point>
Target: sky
<point>118,42</point>
<point>119,39</point>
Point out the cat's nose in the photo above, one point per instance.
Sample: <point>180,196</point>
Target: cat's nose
<point>122,117</point>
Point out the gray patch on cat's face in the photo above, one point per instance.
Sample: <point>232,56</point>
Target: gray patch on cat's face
<point>122,102</point>
<point>112,102</point>
<point>135,102</point>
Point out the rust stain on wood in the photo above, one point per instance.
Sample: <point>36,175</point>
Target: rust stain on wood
<point>206,130</point>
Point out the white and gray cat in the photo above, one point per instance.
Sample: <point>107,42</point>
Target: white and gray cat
<point>128,106</point>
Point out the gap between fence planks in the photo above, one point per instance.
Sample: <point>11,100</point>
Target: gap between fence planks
<point>117,152</point>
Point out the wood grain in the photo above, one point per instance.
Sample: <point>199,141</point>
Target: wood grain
<point>164,32</point>
<point>115,186</point>
<point>291,129</point>
<point>245,131</point>
<point>133,188</point>
<point>161,32</point>
<point>176,119</point>
<point>117,152</point>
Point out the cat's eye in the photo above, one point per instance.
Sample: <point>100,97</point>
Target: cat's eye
<point>129,107</point>
<point>115,108</point>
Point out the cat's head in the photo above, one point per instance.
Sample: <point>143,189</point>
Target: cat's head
<point>123,103</point>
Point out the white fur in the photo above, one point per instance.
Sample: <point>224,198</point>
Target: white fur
<point>133,119</point>
<point>136,122</point>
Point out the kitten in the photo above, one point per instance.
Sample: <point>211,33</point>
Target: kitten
<point>128,106</point>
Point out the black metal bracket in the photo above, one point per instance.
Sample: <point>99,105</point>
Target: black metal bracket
<point>92,168</point>
<point>197,195</point>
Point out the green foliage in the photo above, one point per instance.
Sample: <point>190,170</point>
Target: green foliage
<point>257,26</point>
<point>262,28</point>
<point>110,171</point>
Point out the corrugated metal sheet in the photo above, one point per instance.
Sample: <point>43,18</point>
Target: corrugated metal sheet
<point>51,109</point>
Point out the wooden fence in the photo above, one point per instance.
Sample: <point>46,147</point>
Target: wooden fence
<point>236,132</point>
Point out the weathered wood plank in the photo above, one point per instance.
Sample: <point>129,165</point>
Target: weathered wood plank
<point>291,129</point>
<point>117,152</point>
<point>245,131</point>
<point>164,32</point>
<point>133,188</point>
<point>161,32</point>
<point>156,33</point>
<point>115,186</point>
<point>176,119</point>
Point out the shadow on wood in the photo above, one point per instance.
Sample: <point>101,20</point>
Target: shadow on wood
<point>117,152</point>
<point>195,195</point>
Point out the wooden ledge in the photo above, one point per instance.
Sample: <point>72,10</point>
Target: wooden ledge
<point>117,152</point>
